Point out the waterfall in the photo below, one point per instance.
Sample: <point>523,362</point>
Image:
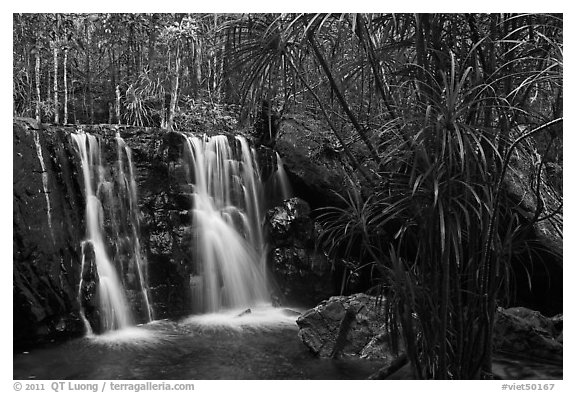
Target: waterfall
<point>44,182</point>
<point>114,311</point>
<point>229,243</point>
<point>128,187</point>
<point>282,179</point>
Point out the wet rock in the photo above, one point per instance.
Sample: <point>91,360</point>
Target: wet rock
<point>244,313</point>
<point>291,224</point>
<point>291,313</point>
<point>312,160</point>
<point>525,332</point>
<point>348,326</point>
<point>544,290</point>
<point>302,273</point>
<point>304,276</point>
<point>47,232</point>
<point>558,322</point>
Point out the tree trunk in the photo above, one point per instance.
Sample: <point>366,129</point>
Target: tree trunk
<point>198,58</point>
<point>56,110</point>
<point>38,98</point>
<point>174,92</point>
<point>152,41</point>
<point>89,77</point>
<point>118,104</point>
<point>65,72</point>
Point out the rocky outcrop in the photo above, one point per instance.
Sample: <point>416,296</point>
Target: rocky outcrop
<point>354,326</point>
<point>348,326</point>
<point>48,227</point>
<point>303,274</point>
<point>524,332</point>
<point>313,162</point>
<point>531,194</point>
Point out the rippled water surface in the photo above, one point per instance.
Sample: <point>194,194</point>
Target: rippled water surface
<point>261,345</point>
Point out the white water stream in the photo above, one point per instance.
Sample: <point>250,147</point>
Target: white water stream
<point>114,311</point>
<point>229,243</point>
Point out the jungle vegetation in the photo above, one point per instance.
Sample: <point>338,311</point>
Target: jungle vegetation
<point>428,109</point>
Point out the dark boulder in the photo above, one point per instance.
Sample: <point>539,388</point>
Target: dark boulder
<point>348,326</point>
<point>290,224</point>
<point>525,342</point>
<point>302,273</point>
<point>523,332</point>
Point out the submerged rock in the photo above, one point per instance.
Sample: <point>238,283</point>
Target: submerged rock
<point>349,326</point>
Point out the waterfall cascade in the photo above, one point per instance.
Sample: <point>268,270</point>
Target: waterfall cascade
<point>281,179</point>
<point>229,243</point>
<point>113,308</point>
<point>128,188</point>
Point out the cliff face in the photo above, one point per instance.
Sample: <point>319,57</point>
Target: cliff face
<point>46,247</point>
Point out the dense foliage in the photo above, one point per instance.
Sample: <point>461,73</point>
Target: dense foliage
<point>428,108</point>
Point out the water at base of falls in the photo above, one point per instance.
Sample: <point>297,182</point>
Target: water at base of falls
<point>212,347</point>
<point>187,350</point>
<point>260,317</point>
<point>229,243</point>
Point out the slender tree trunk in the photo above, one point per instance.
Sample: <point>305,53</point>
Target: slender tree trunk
<point>118,104</point>
<point>152,41</point>
<point>89,77</point>
<point>56,109</point>
<point>110,112</point>
<point>221,73</point>
<point>37,75</point>
<point>65,72</point>
<point>174,93</point>
<point>29,93</point>
<point>198,59</point>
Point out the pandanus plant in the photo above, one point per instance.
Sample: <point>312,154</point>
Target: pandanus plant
<point>426,108</point>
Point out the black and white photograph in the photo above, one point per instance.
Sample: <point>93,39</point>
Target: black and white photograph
<point>286,196</point>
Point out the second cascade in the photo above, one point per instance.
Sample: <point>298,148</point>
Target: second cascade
<point>229,242</point>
